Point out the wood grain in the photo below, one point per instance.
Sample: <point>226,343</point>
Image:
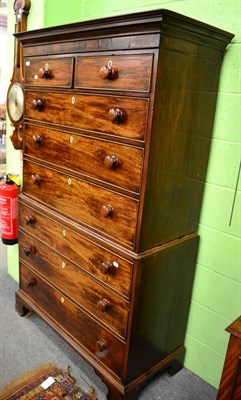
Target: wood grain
<point>90,113</point>
<point>60,72</point>
<point>86,155</point>
<point>74,321</point>
<point>83,202</point>
<point>133,72</point>
<point>140,112</point>
<point>230,383</point>
<point>78,249</point>
<point>76,284</point>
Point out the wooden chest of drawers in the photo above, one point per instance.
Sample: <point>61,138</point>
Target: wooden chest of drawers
<point>230,384</point>
<point>118,123</point>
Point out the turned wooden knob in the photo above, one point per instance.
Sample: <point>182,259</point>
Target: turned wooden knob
<point>37,104</point>
<point>116,115</point>
<point>106,211</point>
<point>106,267</point>
<point>35,179</point>
<point>104,304</point>
<point>101,345</point>
<point>45,72</point>
<point>30,219</point>
<point>30,250</point>
<point>37,140</point>
<point>108,71</point>
<point>30,282</point>
<point>111,162</point>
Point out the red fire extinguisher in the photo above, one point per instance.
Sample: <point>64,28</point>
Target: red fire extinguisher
<point>9,192</point>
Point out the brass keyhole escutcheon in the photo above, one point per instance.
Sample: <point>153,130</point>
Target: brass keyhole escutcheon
<point>64,233</point>
<point>62,300</point>
<point>73,100</point>
<point>69,181</point>
<point>63,264</point>
<point>71,139</point>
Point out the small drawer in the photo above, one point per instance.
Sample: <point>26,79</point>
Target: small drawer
<point>106,266</point>
<point>117,164</point>
<point>121,116</point>
<point>67,317</point>
<point>57,72</point>
<point>115,72</point>
<point>105,211</point>
<point>79,286</point>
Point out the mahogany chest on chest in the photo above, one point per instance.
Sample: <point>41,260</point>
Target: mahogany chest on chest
<point>118,121</point>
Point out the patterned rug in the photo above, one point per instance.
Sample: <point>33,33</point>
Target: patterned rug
<point>46,383</point>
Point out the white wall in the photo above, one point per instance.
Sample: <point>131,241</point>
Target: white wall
<point>3,60</point>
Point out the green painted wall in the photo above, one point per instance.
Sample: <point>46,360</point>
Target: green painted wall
<point>216,299</point>
<point>59,12</point>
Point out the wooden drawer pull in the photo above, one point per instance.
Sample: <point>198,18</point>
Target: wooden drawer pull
<point>106,267</point>
<point>106,211</point>
<point>116,115</point>
<point>104,304</point>
<point>30,219</point>
<point>108,72</point>
<point>45,72</point>
<point>37,104</point>
<point>37,140</point>
<point>30,250</point>
<point>111,162</point>
<point>35,179</point>
<point>101,345</point>
<point>30,282</point>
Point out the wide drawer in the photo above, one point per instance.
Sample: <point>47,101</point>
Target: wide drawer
<point>114,72</point>
<point>121,116</point>
<point>71,320</point>
<point>102,210</point>
<point>108,267</point>
<point>57,72</point>
<point>118,164</point>
<point>78,285</point>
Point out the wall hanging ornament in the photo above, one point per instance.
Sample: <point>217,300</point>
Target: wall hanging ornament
<point>15,95</point>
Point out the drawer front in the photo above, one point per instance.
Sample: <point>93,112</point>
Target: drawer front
<point>105,266</point>
<point>114,163</point>
<point>121,72</point>
<point>103,346</point>
<point>107,212</point>
<point>76,284</point>
<point>121,116</point>
<point>57,72</point>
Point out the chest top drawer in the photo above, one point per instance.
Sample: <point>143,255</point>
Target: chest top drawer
<point>121,116</point>
<point>115,163</point>
<point>105,211</point>
<point>56,72</point>
<point>125,72</point>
